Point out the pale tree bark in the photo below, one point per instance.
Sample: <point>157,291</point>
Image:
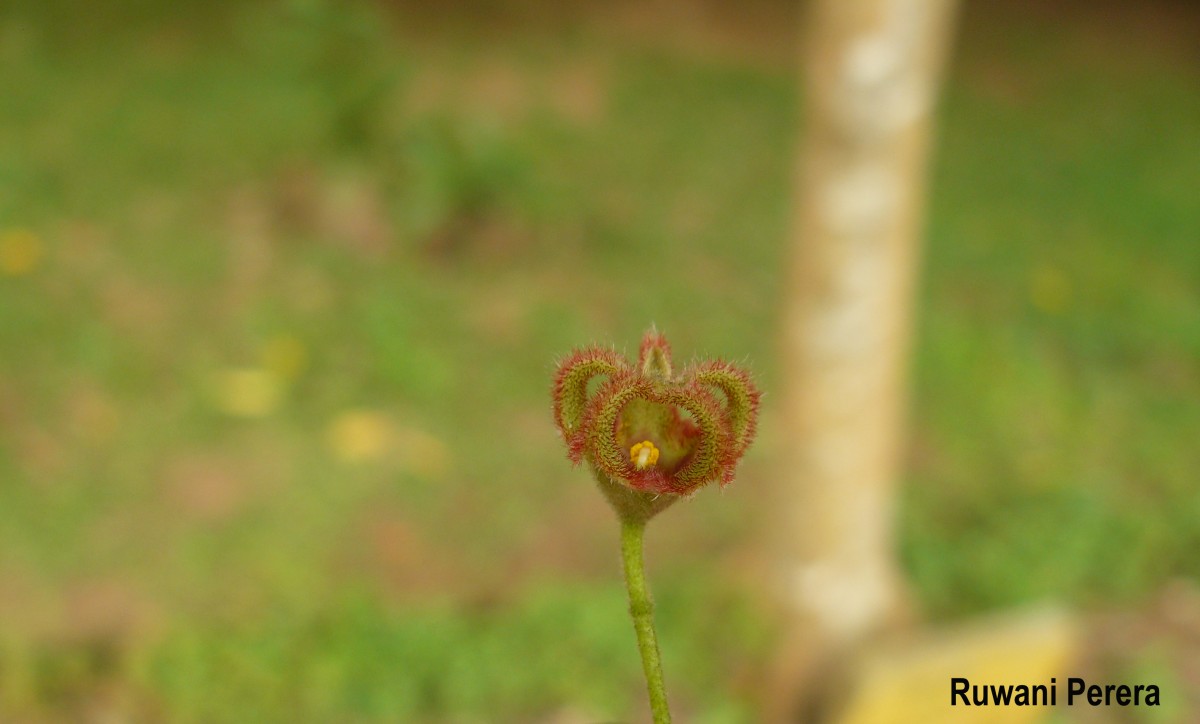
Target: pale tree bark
<point>872,72</point>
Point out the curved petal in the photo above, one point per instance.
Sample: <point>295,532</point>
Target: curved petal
<point>571,381</point>
<point>597,432</point>
<point>712,458</point>
<point>741,397</point>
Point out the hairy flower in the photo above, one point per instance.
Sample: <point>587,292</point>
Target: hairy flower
<point>649,428</point>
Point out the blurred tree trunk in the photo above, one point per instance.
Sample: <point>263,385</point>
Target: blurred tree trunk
<point>872,69</point>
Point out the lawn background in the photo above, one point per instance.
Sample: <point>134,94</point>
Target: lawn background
<point>282,286</point>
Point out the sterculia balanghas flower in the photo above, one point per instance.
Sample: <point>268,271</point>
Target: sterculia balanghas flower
<point>649,429</point>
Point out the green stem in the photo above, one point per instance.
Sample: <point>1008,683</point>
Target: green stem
<point>641,609</point>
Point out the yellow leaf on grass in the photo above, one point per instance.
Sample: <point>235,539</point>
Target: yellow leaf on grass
<point>358,435</point>
<point>20,252</point>
<point>247,392</point>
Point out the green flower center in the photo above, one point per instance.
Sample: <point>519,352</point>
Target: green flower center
<point>656,434</point>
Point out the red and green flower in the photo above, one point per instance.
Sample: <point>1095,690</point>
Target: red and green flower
<point>648,428</point>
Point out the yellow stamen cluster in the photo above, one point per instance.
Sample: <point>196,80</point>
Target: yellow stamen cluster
<point>643,455</point>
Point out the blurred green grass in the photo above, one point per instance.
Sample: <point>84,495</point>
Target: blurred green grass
<point>274,435</point>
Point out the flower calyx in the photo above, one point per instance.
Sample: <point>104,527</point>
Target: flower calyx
<point>650,429</point>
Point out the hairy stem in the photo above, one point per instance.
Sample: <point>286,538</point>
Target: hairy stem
<point>641,609</point>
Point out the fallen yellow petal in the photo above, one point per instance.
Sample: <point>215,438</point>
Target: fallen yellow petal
<point>248,392</point>
<point>358,435</point>
<point>20,252</point>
